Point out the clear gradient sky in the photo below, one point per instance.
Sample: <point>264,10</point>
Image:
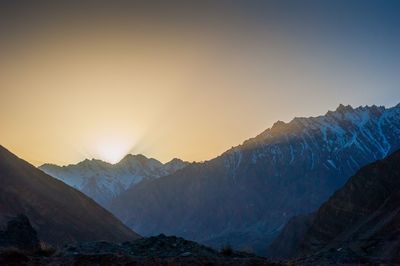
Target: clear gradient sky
<point>102,79</point>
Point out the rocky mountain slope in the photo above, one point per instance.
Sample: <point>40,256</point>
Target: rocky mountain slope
<point>359,223</point>
<point>245,196</point>
<point>59,213</point>
<point>103,181</point>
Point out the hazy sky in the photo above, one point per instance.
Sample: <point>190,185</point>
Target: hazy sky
<point>184,80</point>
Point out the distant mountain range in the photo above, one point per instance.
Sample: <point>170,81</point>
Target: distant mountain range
<point>358,224</point>
<point>245,196</point>
<point>103,181</point>
<point>60,214</point>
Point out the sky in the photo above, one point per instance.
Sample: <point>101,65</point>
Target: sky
<point>100,79</point>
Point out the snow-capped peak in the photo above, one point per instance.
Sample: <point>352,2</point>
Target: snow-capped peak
<point>103,181</point>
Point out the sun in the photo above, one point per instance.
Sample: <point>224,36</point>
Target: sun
<point>111,153</point>
<point>112,149</point>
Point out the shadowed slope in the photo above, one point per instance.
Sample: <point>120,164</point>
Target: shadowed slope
<point>359,223</point>
<point>58,212</point>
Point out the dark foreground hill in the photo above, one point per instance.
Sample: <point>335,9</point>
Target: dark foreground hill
<point>359,223</point>
<point>159,250</point>
<point>59,213</point>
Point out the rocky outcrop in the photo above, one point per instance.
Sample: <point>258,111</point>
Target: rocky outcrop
<point>20,234</point>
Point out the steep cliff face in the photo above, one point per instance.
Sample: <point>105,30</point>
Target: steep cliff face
<point>245,196</point>
<point>359,223</point>
<point>59,213</point>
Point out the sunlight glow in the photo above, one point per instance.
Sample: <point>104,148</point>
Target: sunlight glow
<point>112,149</point>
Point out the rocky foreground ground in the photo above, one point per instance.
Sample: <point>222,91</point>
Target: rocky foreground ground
<point>19,245</point>
<point>159,250</point>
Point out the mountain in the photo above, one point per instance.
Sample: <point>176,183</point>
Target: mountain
<point>359,223</point>
<point>59,213</point>
<point>245,196</point>
<point>103,181</point>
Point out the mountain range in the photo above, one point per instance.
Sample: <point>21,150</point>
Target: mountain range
<point>103,181</point>
<point>59,213</point>
<point>46,222</point>
<point>358,224</point>
<point>273,195</point>
<point>245,196</point>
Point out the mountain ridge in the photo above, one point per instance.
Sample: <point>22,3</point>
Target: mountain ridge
<point>127,156</point>
<point>103,181</point>
<point>254,188</point>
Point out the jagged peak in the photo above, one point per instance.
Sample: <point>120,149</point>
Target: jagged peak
<point>175,160</point>
<point>139,158</point>
<point>85,162</point>
<point>48,165</point>
<point>278,125</point>
<point>344,108</point>
<point>342,111</point>
<point>90,163</point>
<point>134,157</point>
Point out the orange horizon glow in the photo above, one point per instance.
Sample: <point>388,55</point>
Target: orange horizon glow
<point>102,88</point>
